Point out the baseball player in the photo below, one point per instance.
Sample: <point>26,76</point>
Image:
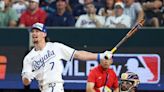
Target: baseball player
<point>44,61</point>
<point>129,82</point>
<point>102,78</point>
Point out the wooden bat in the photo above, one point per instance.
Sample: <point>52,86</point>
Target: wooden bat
<point>128,35</point>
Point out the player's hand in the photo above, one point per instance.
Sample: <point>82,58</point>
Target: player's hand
<point>26,81</point>
<point>27,77</point>
<point>106,55</point>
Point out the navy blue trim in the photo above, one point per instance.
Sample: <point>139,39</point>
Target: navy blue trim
<point>98,57</point>
<point>44,29</point>
<point>72,55</point>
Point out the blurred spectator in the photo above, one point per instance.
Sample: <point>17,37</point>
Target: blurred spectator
<point>153,13</point>
<point>134,10</point>
<point>20,6</point>
<point>108,10</point>
<point>8,16</point>
<point>162,10</point>
<point>62,16</point>
<point>48,6</point>
<point>80,9</point>
<point>75,2</point>
<point>32,15</point>
<point>90,20</point>
<point>120,20</point>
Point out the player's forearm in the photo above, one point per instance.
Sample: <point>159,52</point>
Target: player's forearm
<point>116,90</point>
<point>84,55</point>
<point>27,77</point>
<point>90,90</point>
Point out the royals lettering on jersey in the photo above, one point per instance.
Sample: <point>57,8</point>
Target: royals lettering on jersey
<point>46,65</point>
<point>37,64</point>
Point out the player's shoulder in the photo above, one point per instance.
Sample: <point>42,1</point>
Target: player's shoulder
<point>57,44</point>
<point>53,43</point>
<point>29,54</point>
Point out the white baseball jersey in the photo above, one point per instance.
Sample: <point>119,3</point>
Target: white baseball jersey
<point>47,64</point>
<point>123,19</point>
<point>85,22</point>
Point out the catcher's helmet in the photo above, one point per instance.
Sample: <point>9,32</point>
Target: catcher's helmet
<point>128,81</point>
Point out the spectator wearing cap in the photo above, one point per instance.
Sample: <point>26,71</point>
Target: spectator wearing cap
<point>119,20</point>
<point>61,17</point>
<point>91,19</point>
<point>134,10</point>
<point>32,15</point>
<point>8,16</point>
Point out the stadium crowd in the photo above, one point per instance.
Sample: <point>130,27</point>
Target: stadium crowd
<point>81,13</point>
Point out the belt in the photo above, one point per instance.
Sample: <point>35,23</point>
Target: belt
<point>42,87</point>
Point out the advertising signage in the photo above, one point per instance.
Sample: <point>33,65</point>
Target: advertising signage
<point>75,73</point>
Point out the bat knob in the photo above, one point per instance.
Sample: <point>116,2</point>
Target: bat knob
<point>106,57</point>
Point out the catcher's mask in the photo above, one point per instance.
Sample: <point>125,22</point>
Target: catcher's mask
<point>129,81</point>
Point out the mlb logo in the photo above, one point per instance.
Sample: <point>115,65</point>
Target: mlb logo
<point>146,66</point>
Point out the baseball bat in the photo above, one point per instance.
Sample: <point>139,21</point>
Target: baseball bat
<point>128,35</point>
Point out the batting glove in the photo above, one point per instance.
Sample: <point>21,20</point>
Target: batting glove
<point>105,55</point>
<point>108,54</point>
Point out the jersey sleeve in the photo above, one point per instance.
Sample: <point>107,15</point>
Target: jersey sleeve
<point>91,77</point>
<point>27,67</point>
<point>67,53</point>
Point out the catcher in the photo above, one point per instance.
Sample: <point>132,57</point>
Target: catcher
<point>129,82</point>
